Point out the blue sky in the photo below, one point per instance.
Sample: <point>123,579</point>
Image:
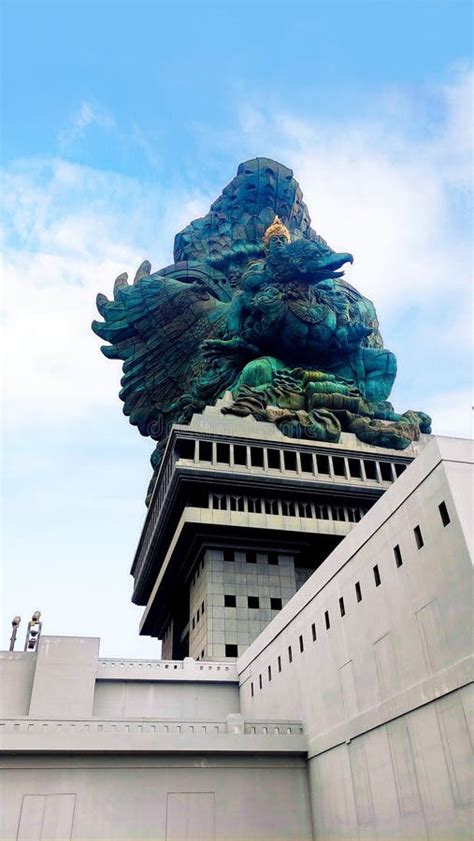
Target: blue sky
<point>122,122</point>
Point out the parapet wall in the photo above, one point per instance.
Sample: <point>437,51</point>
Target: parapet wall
<point>67,679</point>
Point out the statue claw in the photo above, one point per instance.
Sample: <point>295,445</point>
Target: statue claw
<point>120,282</point>
<point>143,270</point>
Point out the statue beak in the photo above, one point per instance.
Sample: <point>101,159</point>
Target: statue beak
<point>333,262</point>
<point>338,260</point>
<point>329,265</point>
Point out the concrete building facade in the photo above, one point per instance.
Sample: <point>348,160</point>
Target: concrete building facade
<point>374,653</point>
<point>240,518</point>
<point>347,715</point>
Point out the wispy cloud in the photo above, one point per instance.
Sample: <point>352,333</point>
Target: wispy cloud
<point>87,114</point>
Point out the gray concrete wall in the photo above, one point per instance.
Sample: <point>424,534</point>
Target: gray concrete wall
<point>153,699</point>
<point>407,779</point>
<point>195,798</point>
<point>64,680</point>
<point>382,690</point>
<point>132,749</point>
<point>17,671</point>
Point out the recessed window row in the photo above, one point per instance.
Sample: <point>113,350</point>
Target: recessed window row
<point>253,602</point>
<point>418,534</point>
<point>445,519</point>
<point>292,461</point>
<point>286,508</point>
<point>327,624</point>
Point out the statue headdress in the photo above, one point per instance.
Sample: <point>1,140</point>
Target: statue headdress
<point>277,228</point>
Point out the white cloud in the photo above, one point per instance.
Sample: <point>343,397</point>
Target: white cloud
<point>71,230</point>
<point>384,191</point>
<point>451,412</point>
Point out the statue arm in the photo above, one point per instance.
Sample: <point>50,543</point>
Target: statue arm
<point>349,336</point>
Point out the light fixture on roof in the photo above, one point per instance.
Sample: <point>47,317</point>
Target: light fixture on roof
<point>33,632</point>
<point>15,625</point>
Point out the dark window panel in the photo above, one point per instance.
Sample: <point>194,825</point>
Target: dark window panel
<point>398,556</point>
<point>256,456</point>
<point>418,537</point>
<point>370,470</point>
<point>443,513</point>
<point>205,451</point>
<point>223,453</point>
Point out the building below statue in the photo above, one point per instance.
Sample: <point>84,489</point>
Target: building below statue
<point>240,518</point>
<point>346,716</point>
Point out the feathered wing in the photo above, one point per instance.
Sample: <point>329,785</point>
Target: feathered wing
<point>156,326</point>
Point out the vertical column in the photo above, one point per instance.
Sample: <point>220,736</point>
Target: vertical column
<point>362,470</point>
<point>378,472</point>
<point>248,460</point>
<point>298,463</point>
<point>64,681</point>
<point>331,467</point>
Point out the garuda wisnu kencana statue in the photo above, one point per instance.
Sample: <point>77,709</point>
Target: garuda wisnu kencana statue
<point>255,304</point>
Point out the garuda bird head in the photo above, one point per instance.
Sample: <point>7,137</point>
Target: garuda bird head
<point>307,261</point>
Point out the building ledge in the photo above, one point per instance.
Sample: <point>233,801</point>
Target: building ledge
<point>233,735</point>
<point>194,520</point>
<point>179,671</point>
